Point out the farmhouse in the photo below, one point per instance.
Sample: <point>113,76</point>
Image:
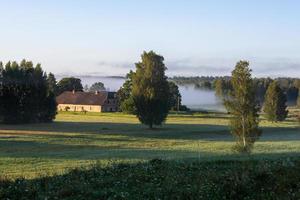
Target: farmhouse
<point>87,101</point>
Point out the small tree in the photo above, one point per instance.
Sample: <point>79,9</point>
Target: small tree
<point>86,88</point>
<point>242,105</point>
<point>98,86</point>
<point>124,95</point>
<point>150,89</point>
<point>275,103</point>
<point>128,106</point>
<point>174,96</point>
<point>69,84</point>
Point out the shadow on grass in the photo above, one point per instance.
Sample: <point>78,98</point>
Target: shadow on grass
<point>33,149</point>
<point>167,131</point>
<point>207,132</point>
<point>206,116</point>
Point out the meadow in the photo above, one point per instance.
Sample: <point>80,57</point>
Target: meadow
<point>78,140</point>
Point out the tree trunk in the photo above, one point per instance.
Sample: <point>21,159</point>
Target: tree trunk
<point>243,126</point>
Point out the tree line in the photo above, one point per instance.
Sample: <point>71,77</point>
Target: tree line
<point>221,84</point>
<point>289,86</point>
<point>73,84</point>
<point>273,102</point>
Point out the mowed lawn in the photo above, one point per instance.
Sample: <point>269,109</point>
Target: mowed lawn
<point>80,140</point>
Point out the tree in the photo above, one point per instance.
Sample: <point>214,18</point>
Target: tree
<point>222,88</point>
<point>128,106</point>
<point>124,95</point>
<point>261,86</point>
<point>69,84</point>
<point>25,96</point>
<point>1,68</point>
<point>243,107</point>
<point>275,103</point>
<point>98,86</point>
<point>149,90</point>
<point>51,80</point>
<point>126,103</point>
<point>297,85</point>
<point>86,88</point>
<point>174,97</point>
<point>219,84</point>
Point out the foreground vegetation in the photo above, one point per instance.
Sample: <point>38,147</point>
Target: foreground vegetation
<point>166,180</point>
<point>79,140</point>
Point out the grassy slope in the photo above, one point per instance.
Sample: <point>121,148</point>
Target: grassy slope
<point>76,140</point>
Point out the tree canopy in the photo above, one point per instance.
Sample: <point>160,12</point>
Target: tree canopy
<point>126,103</point>
<point>69,84</point>
<point>98,86</point>
<point>25,95</point>
<point>275,103</point>
<point>174,97</point>
<point>124,95</point>
<point>52,83</point>
<point>149,89</point>
<point>222,87</point>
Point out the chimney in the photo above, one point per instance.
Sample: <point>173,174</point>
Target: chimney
<point>73,91</point>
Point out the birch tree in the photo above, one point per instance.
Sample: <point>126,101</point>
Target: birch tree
<point>242,105</point>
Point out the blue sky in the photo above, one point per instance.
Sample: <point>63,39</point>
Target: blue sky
<point>195,37</point>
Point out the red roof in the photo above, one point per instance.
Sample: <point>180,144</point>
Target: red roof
<point>82,98</point>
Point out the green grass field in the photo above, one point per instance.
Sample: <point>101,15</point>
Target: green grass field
<point>79,140</point>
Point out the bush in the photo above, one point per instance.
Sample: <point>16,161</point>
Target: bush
<point>160,179</point>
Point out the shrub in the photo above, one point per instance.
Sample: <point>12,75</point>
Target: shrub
<point>160,179</point>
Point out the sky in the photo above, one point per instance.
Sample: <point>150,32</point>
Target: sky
<point>95,37</point>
